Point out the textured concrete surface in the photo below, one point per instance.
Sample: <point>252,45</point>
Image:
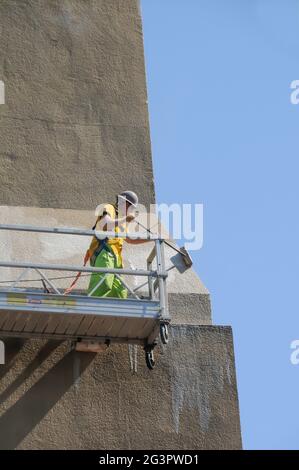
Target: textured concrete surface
<point>52,397</point>
<point>74,128</point>
<point>193,309</point>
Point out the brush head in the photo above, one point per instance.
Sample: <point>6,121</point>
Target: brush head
<point>181,260</point>
<point>186,257</point>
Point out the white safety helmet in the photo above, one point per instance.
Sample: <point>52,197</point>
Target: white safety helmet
<point>130,197</point>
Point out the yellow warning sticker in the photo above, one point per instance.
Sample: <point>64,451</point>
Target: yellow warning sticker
<point>59,302</point>
<point>25,299</point>
<point>12,298</point>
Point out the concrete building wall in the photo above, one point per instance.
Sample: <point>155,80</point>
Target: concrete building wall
<point>52,397</point>
<point>73,132</point>
<point>75,125</point>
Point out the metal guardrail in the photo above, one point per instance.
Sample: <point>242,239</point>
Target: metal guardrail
<point>81,232</point>
<point>156,290</point>
<point>32,313</point>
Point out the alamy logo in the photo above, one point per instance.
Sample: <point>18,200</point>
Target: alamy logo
<point>294,97</point>
<point>2,92</point>
<point>295,354</point>
<point>181,221</point>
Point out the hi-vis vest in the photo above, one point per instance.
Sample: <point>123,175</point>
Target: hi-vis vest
<point>115,244</point>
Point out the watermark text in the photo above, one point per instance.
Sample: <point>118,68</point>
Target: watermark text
<point>294,358</point>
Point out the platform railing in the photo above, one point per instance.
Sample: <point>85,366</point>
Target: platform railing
<point>156,277</point>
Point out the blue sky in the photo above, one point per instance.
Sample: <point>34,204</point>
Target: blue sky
<point>225,134</point>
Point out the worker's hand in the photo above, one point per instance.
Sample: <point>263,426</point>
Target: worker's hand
<point>130,217</point>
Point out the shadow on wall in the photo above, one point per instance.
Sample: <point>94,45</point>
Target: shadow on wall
<point>42,355</point>
<point>12,347</point>
<point>19,420</point>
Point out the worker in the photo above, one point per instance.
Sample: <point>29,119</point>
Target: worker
<point>107,252</point>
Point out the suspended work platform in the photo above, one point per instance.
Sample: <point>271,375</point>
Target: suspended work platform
<point>48,313</point>
<point>39,315</point>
